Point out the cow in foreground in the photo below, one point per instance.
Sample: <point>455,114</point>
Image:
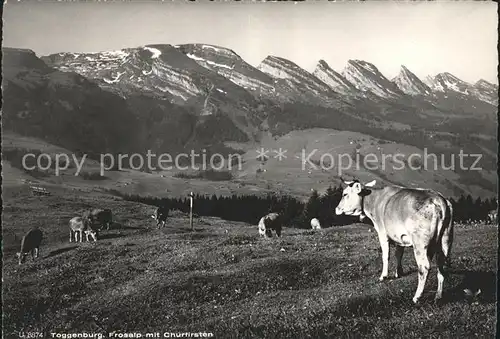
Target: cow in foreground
<point>315,224</point>
<point>101,217</point>
<point>161,215</point>
<point>268,223</point>
<point>405,217</point>
<point>30,244</point>
<point>79,226</point>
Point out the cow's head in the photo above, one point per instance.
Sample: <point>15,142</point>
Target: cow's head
<point>93,233</point>
<point>352,198</point>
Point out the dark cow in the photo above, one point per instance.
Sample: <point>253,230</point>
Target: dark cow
<point>30,243</point>
<point>268,223</point>
<point>161,215</point>
<point>405,217</point>
<point>101,217</point>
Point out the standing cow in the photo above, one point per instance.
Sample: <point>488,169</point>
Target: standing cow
<point>79,226</point>
<point>268,223</point>
<point>405,217</point>
<point>101,217</point>
<point>493,217</point>
<point>161,215</point>
<point>315,224</point>
<point>30,244</point>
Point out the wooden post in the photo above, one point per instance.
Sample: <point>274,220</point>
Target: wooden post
<point>191,210</point>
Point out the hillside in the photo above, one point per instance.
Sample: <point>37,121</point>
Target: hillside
<point>233,284</point>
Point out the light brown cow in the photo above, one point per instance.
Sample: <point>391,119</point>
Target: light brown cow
<point>315,224</point>
<point>405,217</point>
<point>268,223</point>
<point>78,225</point>
<point>493,216</point>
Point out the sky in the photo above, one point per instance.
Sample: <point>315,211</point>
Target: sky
<point>459,37</point>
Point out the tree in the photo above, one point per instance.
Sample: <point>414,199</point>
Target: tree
<point>312,209</point>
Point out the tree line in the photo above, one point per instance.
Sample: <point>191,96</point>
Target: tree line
<point>298,214</point>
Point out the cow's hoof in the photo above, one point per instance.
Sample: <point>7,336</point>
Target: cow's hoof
<point>438,300</point>
<point>382,278</point>
<point>415,300</point>
<point>398,274</point>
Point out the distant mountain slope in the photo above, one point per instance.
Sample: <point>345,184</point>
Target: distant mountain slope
<point>197,96</point>
<point>63,108</point>
<point>410,84</point>
<point>486,91</point>
<point>366,77</point>
<point>230,65</point>
<point>299,83</point>
<point>165,72</point>
<point>335,80</point>
<point>69,110</point>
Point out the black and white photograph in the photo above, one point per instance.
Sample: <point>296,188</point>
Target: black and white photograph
<point>249,169</point>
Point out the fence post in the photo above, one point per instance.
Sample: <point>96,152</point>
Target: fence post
<point>191,210</point>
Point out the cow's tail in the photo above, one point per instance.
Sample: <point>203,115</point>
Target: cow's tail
<point>445,231</point>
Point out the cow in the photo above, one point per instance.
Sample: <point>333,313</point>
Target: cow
<point>268,223</point>
<point>315,224</point>
<point>30,243</point>
<point>101,217</point>
<point>493,216</point>
<point>405,217</point>
<point>78,225</point>
<point>161,215</point>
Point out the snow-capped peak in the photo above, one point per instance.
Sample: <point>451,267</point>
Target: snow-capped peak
<point>366,77</point>
<point>333,79</point>
<point>156,52</point>
<point>410,84</point>
<point>449,82</point>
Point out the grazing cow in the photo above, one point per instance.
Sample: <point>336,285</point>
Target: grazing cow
<point>30,243</point>
<point>269,222</point>
<point>493,216</point>
<point>315,224</point>
<point>78,225</point>
<point>101,217</point>
<point>405,217</point>
<point>161,215</point>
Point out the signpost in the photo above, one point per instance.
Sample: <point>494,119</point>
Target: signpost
<point>191,196</point>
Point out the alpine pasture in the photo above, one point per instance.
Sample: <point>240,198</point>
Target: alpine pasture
<point>222,278</point>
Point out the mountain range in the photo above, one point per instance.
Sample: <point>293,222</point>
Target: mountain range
<point>170,98</point>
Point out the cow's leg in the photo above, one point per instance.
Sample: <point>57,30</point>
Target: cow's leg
<point>278,232</point>
<point>441,274</point>
<point>37,249</point>
<point>384,245</point>
<point>423,263</point>
<point>70,235</point>
<point>399,255</point>
<point>269,234</point>
<point>446,243</point>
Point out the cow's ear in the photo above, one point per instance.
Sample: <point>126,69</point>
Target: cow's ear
<point>357,187</point>
<point>371,183</point>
